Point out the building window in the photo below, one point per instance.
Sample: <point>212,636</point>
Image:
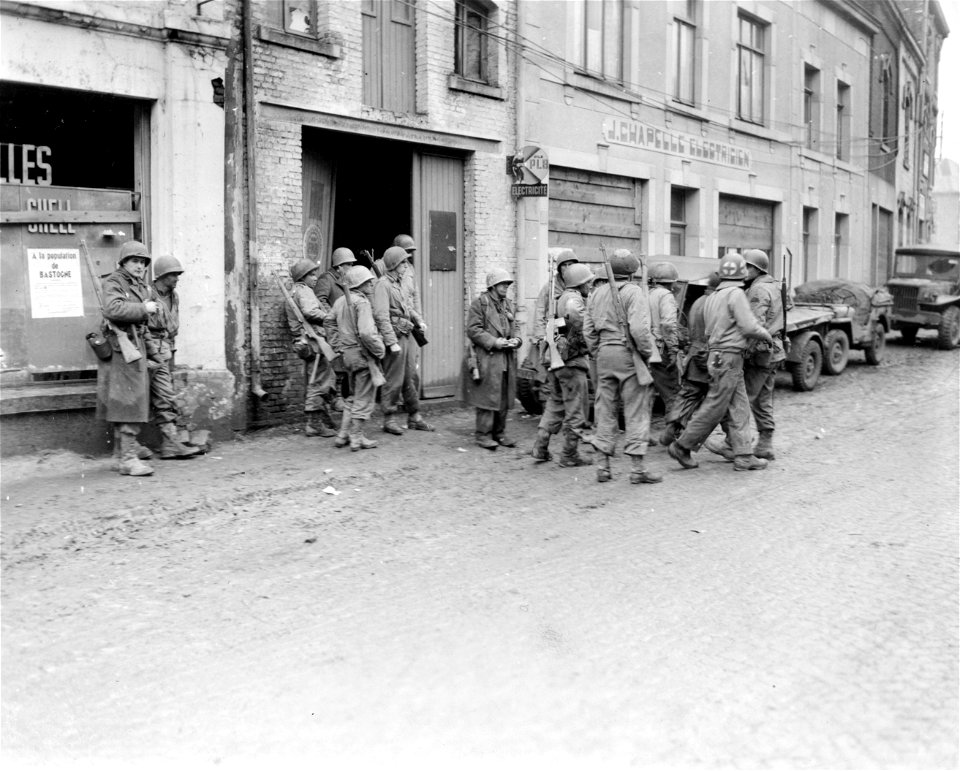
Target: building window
<point>300,17</point>
<point>471,45</point>
<point>751,49</point>
<point>809,243</point>
<point>907,124</point>
<point>389,58</point>
<point>684,63</point>
<point>888,129</point>
<point>841,244</point>
<point>811,106</point>
<point>678,221</point>
<point>843,121</point>
<point>598,37</point>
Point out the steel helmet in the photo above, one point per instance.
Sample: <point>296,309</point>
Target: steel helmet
<point>302,267</point>
<point>624,263</point>
<point>165,265</point>
<point>498,276</point>
<point>663,273</point>
<point>133,249</point>
<point>732,267</point>
<point>561,255</point>
<point>758,258</point>
<point>394,256</point>
<point>358,275</point>
<point>405,242</point>
<point>341,255</point>
<point>578,275</point>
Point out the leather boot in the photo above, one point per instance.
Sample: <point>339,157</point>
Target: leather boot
<point>719,446</point>
<point>315,425</point>
<point>748,463</point>
<point>343,435</point>
<point>357,439</point>
<point>570,457</point>
<point>639,473</point>
<point>391,426</point>
<point>541,446</point>
<point>130,464</point>
<point>416,422</point>
<point>668,435</point>
<point>681,455</point>
<point>172,448</point>
<point>603,468</point>
<point>764,446</point>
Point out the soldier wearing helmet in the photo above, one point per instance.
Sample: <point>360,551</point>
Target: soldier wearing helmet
<point>359,343</point>
<point>123,388</point>
<point>407,277</point>
<point>728,323</point>
<point>567,386</point>
<point>492,331</point>
<point>328,288</point>
<point>664,321</point>
<point>161,347</point>
<point>318,372</point>
<point>562,258</point>
<point>618,378</point>
<point>401,364</point>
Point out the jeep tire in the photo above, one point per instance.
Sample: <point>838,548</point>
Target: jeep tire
<point>528,392</point>
<point>873,353</point>
<point>836,352</point>
<point>948,333</point>
<point>806,372</point>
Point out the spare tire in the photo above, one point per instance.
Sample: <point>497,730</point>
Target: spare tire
<point>528,392</point>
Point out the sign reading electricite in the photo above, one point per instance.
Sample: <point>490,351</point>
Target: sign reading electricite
<point>531,171</point>
<point>633,134</point>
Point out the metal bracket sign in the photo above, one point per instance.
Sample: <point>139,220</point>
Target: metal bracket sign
<point>530,169</point>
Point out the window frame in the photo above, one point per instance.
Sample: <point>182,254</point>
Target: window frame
<point>843,121</point>
<point>811,106</point>
<point>590,48</point>
<point>462,30</point>
<point>311,32</point>
<point>683,86</point>
<point>754,51</point>
<point>678,225</point>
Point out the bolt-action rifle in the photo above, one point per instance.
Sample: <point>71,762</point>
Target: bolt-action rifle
<point>643,374</point>
<point>325,350</point>
<point>553,323</point>
<point>128,350</point>
<point>783,298</point>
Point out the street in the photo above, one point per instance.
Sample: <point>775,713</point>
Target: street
<point>431,604</point>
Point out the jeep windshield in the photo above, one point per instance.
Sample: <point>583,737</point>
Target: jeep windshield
<point>943,267</point>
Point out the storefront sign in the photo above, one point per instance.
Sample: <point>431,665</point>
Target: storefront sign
<point>633,134</point>
<point>55,288</point>
<point>25,164</point>
<point>531,171</point>
<point>49,204</point>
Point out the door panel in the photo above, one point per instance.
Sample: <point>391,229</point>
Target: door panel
<point>438,193</point>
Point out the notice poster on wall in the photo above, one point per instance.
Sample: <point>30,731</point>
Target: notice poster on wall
<point>55,288</point>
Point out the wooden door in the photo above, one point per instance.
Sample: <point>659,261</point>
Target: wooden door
<point>438,220</point>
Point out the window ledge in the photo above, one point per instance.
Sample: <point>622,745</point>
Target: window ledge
<point>599,86</point>
<point>816,155</point>
<point>763,132</point>
<point>300,43</point>
<point>457,83</point>
<point>687,110</point>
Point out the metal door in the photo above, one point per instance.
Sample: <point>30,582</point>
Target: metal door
<point>438,213</point>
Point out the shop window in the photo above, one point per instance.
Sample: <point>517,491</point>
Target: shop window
<point>811,106</point>
<point>684,54</point>
<point>843,121</point>
<point>751,61</point>
<point>389,58</point>
<point>598,38</point>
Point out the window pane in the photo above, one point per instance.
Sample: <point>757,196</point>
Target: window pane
<point>296,16</point>
<point>612,36</point>
<point>677,205</point>
<point>594,60</point>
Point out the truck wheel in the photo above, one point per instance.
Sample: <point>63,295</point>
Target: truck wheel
<point>528,392</point>
<point>949,330</point>
<point>836,352</point>
<point>909,334</point>
<point>806,372</point>
<point>873,353</point>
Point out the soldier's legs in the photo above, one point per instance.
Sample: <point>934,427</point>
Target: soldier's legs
<point>759,383</point>
<point>613,366</point>
<point>364,394</point>
<point>637,403</point>
<point>125,434</point>
<point>666,382</point>
<point>500,416</point>
<point>553,407</point>
<point>411,375</point>
<point>573,387</point>
<point>163,397</point>
<point>393,366</point>
<point>726,381</point>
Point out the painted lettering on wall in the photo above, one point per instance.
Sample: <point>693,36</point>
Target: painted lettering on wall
<point>629,132</point>
<point>25,164</point>
<point>49,204</point>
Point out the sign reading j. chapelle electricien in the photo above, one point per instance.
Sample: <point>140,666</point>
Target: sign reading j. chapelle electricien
<point>634,134</point>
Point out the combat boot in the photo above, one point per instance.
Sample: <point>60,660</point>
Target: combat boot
<point>130,464</point>
<point>681,455</point>
<point>639,473</point>
<point>748,463</point>
<point>719,446</point>
<point>570,457</point>
<point>416,422</point>
<point>343,435</point>
<point>391,426</point>
<point>357,439</point>
<point>667,436</point>
<point>541,446</point>
<point>172,448</point>
<point>315,425</point>
<point>143,453</point>
<point>764,446</point>
<point>603,468</point>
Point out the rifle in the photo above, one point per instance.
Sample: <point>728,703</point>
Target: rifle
<point>655,357</point>
<point>374,268</point>
<point>128,350</point>
<point>472,363</point>
<point>553,323</point>
<point>376,374</point>
<point>783,298</point>
<point>325,349</point>
<point>643,374</point>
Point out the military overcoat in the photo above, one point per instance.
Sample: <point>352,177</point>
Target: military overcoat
<point>490,318</point>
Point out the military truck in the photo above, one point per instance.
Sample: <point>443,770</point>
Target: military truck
<point>925,284</point>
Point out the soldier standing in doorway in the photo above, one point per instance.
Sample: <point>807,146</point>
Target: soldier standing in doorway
<point>329,287</point>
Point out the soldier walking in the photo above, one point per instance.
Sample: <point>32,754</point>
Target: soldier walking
<point>664,325</point>
<point>492,330</point>
<point>401,364</point>
<point>567,386</point>
<point>729,322</point>
<point>617,376</point>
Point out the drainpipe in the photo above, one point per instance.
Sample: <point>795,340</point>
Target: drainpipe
<point>253,265</point>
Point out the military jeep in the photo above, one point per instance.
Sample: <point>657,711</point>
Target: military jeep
<point>925,284</point>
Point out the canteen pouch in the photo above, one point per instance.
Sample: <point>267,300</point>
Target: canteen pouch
<point>101,346</point>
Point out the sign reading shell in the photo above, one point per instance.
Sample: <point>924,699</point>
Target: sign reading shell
<point>530,169</point>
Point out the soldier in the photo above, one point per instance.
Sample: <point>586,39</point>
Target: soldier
<point>617,381</point>
<point>161,346</point>
<point>695,380</point>
<point>568,385</point>
<point>401,367</point>
<point>408,277</point>
<point>492,329</point>
<point>563,258</point>
<point>359,343</point>
<point>729,323</point>
<point>318,372</point>
<point>123,388</point>
<point>663,323</point>
<point>327,290</point>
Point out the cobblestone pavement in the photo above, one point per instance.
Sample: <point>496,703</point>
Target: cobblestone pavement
<point>455,608</point>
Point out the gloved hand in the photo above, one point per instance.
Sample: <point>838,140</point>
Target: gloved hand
<point>395,348</point>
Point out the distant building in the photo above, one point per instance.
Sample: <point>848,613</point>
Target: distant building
<point>946,204</point>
